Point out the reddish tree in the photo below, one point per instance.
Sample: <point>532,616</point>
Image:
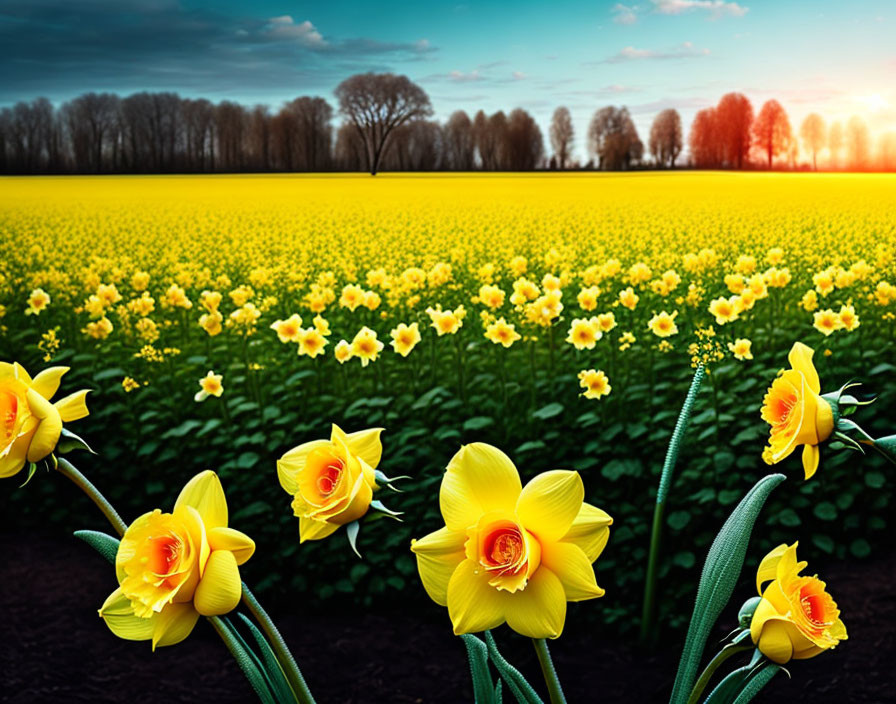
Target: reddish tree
<point>734,114</point>
<point>703,140</point>
<point>772,130</point>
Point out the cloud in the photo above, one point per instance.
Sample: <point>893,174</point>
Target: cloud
<point>519,76</point>
<point>461,77</point>
<point>683,51</point>
<point>716,8</point>
<point>624,14</point>
<point>305,33</point>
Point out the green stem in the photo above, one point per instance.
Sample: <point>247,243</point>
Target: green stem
<point>725,653</point>
<point>249,668</point>
<point>648,608</point>
<point>649,605</point>
<point>287,662</point>
<point>555,691</point>
<point>67,469</point>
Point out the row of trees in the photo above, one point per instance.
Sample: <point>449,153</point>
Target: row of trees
<point>386,125</point>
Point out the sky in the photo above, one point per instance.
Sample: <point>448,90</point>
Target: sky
<point>828,56</point>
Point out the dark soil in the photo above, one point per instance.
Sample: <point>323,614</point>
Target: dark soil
<point>54,647</point>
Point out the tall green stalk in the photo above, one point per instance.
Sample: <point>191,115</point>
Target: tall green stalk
<point>648,610</point>
<point>67,469</point>
<point>555,691</point>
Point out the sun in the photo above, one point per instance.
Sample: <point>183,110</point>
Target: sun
<point>875,102</point>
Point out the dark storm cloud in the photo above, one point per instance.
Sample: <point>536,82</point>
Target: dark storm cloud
<point>57,48</point>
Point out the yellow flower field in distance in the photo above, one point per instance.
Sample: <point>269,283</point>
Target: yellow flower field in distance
<point>352,223</point>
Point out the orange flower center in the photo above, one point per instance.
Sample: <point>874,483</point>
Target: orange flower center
<point>9,411</point>
<point>328,479</point>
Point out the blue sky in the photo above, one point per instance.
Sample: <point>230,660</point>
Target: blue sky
<point>837,58</point>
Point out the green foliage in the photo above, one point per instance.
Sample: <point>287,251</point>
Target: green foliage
<point>718,580</point>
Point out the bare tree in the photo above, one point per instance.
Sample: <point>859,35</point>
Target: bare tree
<point>376,104</point>
<point>814,135</point>
<point>460,142</point>
<point>310,137</point>
<point>858,143</point>
<point>562,135</point>
<point>350,148</point>
<point>525,144</point>
<point>665,137</point>
<point>835,143</point>
<point>613,139</point>
<point>771,130</point>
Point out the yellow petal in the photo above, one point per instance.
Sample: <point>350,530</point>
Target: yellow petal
<point>293,462</point>
<point>479,479</point>
<point>550,502</point>
<point>774,641</point>
<point>173,624</point>
<point>768,568</point>
<point>539,610</point>
<point>366,444</point>
<point>573,568</point>
<point>838,630</point>
<point>47,434</point>
<point>73,406</point>
<point>205,493</point>
<point>199,537</point>
<point>20,374</point>
<point>473,604</point>
<point>47,382</point>
<point>220,588</point>
<point>590,530</point>
<point>310,529</point>
<point>119,616</point>
<point>811,456</point>
<point>800,358</point>
<point>438,555</point>
<point>15,459</point>
<point>240,544</point>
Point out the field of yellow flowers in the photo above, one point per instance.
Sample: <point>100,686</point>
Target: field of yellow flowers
<point>222,320</point>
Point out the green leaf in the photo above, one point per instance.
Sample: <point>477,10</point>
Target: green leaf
<point>477,654</point>
<point>530,446</point>
<point>272,669</point>
<point>678,519</point>
<point>104,544</point>
<point>826,511</point>
<point>246,660</point>
<point>860,548</point>
<point>824,543</point>
<point>516,683</point>
<point>875,480</point>
<point>478,423</point>
<point>788,518</point>
<point>718,580</point>
<point>68,441</point>
<point>550,411</point>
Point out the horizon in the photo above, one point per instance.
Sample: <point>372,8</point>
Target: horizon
<point>682,54</point>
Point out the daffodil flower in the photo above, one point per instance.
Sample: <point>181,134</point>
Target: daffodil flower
<point>510,553</point>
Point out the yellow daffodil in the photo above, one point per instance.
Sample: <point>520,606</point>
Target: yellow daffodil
<point>174,567</point>
<point>826,322</point>
<point>405,338</point>
<point>311,342</point>
<point>606,322</point>
<point>500,332</point>
<point>38,300</point>
<point>210,385</point>
<point>796,412</point>
<point>796,617</point>
<point>663,324</point>
<point>342,351</point>
<point>724,309</point>
<point>584,333</point>
<point>491,296</point>
<point>595,382</point>
<point>289,330</point>
<point>366,346</point>
<point>211,323</point>
<point>741,349</point>
<point>331,481</point>
<point>587,298</point>
<point>849,321</point>
<point>510,553</point>
<point>30,425</point>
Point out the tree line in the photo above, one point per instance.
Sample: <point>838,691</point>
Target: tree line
<point>386,125</point>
